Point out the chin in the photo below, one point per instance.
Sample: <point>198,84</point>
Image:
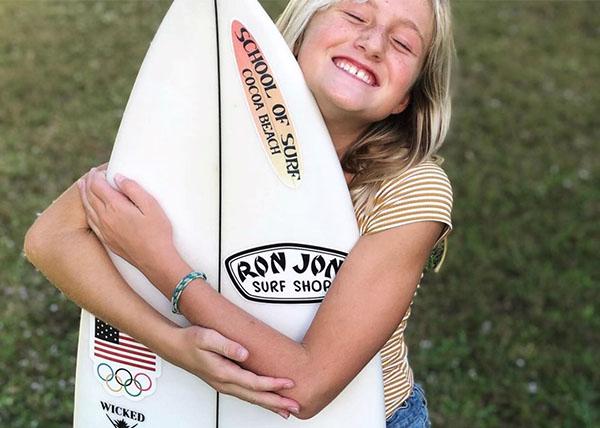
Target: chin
<point>346,102</point>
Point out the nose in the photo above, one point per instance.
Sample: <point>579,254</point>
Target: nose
<point>372,42</point>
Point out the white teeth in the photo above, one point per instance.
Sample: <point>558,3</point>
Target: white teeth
<point>349,68</point>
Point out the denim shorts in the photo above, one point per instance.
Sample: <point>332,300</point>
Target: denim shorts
<point>412,413</point>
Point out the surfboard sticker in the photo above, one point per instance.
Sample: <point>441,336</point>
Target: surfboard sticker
<point>122,365</point>
<point>284,273</point>
<point>267,107</point>
<point>122,417</point>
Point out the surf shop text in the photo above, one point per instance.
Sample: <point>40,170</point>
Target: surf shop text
<point>270,112</point>
<point>314,273</point>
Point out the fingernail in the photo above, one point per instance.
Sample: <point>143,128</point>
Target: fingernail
<point>294,410</point>
<point>242,353</point>
<point>283,414</point>
<point>288,385</point>
<point>119,178</point>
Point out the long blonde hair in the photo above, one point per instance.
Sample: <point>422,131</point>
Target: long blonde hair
<point>400,141</point>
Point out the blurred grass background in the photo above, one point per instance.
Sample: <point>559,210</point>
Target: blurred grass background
<point>505,336</point>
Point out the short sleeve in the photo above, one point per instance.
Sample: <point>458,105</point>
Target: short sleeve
<point>422,193</point>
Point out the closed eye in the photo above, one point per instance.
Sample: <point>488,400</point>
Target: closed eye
<point>402,45</point>
<point>355,17</point>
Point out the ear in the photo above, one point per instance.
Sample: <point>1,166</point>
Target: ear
<point>402,105</point>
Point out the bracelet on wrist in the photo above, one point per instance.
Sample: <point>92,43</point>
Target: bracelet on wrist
<point>181,286</point>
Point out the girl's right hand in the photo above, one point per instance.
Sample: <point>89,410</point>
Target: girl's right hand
<point>212,357</point>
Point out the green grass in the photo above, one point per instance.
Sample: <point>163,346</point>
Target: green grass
<point>505,336</point>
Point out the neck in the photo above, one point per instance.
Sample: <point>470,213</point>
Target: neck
<point>343,135</point>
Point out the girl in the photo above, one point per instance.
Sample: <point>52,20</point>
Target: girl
<point>380,73</point>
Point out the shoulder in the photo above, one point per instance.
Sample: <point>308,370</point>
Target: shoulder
<point>420,193</point>
<point>427,177</point>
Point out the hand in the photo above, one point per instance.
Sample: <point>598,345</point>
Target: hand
<point>208,355</point>
<point>122,217</point>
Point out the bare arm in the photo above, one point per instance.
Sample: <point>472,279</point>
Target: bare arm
<point>70,255</point>
<point>364,305</point>
<point>61,244</point>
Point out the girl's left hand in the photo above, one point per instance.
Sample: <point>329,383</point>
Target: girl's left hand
<point>128,220</point>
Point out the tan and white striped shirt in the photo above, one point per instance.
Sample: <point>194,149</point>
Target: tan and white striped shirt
<point>422,193</point>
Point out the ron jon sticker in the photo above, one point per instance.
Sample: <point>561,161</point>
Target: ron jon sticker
<point>284,273</point>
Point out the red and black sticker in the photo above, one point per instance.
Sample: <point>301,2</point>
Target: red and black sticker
<point>267,107</point>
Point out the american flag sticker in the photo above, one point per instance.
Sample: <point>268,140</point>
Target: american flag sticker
<point>122,365</point>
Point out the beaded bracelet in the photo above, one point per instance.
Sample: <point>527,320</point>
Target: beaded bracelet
<point>181,286</point>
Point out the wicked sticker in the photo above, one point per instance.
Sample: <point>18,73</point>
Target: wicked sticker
<point>267,107</point>
<point>122,417</point>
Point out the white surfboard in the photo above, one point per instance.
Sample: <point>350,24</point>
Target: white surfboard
<point>226,135</point>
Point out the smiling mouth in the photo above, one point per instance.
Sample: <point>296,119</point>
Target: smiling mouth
<point>355,71</point>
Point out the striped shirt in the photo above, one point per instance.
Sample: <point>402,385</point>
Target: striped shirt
<point>422,193</point>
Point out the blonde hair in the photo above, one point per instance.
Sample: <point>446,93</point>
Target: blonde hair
<point>400,141</point>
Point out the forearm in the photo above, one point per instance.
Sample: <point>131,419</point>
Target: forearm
<point>270,352</point>
<point>62,247</point>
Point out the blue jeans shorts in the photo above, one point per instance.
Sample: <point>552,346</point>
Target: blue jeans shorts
<point>412,413</point>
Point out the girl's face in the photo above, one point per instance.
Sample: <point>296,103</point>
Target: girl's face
<point>361,59</point>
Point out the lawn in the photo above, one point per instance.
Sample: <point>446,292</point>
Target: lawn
<point>506,335</point>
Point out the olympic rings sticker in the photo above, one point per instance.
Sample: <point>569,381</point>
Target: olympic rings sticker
<point>122,366</point>
<point>123,380</point>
